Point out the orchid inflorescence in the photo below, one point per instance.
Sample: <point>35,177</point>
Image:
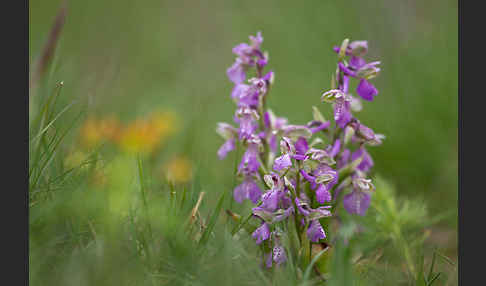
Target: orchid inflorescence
<point>308,169</point>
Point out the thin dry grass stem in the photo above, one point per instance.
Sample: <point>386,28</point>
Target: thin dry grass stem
<point>196,207</point>
<point>49,47</point>
<point>93,232</point>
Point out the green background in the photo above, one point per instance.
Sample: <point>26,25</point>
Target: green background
<point>129,57</point>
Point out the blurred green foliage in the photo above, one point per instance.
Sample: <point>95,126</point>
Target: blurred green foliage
<point>130,57</point>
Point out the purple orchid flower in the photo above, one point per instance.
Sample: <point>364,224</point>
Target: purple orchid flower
<point>322,194</point>
<point>228,133</point>
<point>366,90</point>
<point>317,160</point>
<point>249,163</point>
<point>343,159</point>
<point>228,146</point>
<point>279,255</point>
<point>248,189</point>
<point>315,232</point>
<point>357,202</point>
<point>262,233</point>
<point>236,73</point>
<point>336,147</point>
<point>342,113</point>
<point>367,161</point>
<point>282,162</point>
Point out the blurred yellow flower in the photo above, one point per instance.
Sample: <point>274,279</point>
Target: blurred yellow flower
<point>179,170</point>
<point>146,134</point>
<point>95,131</point>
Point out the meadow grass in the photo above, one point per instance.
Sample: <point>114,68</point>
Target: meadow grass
<point>110,218</point>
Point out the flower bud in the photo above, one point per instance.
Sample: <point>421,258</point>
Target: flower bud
<point>358,48</point>
<point>331,95</point>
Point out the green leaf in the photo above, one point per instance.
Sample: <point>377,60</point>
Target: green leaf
<point>317,115</point>
<point>212,221</point>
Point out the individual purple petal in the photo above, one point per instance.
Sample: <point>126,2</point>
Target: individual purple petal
<point>346,70</point>
<point>323,210</point>
<point>249,163</point>
<point>299,157</point>
<point>301,146</point>
<point>248,125</point>
<point>241,49</point>
<point>270,200</point>
<point>282,162</point>
<point>367,161</point>
<point>262,62</point>
<point>273,143</point>
<point>269,76</point>
<point>343,159</point>
<point>300,207</point>
<point>356,62</point>
<point>249,98</point>
<point>315,232</point>
<point>309,178</point>
<point>357,202</point>
<point>266,120</point>
<point>236,73</point>
<point>268,257</point>
<point>261,135</point>
<point>279,255</point>
<point>345,84</point>
<point>322,194</point>
<point>248,189</point>
<point>342,114</point>
<point>254,192</point>
<point>256,41</point>
<point>336,147</point>
<point>239,193</point>
<point>323,169</point>
<point>366,90</point>
<point>239,90</point>
<point>262,233</point>
<point>363,132</point>
<point>228,146</point>
<point>321,127</point>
